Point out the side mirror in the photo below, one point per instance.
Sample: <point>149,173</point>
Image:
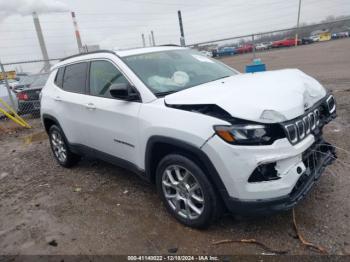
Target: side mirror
<point>124,91</point>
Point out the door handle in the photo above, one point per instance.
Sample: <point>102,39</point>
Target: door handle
<point>58,98</point>
<point>90,106</point>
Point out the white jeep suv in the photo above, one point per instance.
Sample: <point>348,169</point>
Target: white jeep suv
<point>210,138</point>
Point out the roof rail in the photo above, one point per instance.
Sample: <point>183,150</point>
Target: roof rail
<point>170,45</point>
<point>88,53</point>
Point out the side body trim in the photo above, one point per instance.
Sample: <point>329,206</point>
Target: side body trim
<point>94,153</point>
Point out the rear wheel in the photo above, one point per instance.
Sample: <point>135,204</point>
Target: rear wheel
<point>186,192</point>
<point>60,148</point>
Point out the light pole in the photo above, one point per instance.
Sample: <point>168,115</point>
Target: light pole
<point>182,38</point>
<point>153,41</point>
<point>296,33</point>
<point>42,44</point>
<point>143,40</point>
<point>2,69</point>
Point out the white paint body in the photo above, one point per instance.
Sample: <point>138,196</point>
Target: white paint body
<point>246,96</point>
<point>262,46</point>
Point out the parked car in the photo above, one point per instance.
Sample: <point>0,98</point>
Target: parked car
<point>340,35</point>
<point>209,137</point>
<point>224,51</point>
<point>306,40</point>
<point>263,46</point>
<point>324,36</point>
<point>206,53</point>
<point>343,34</point>
<point>4,95</point>
<point>20,74</point>
<point>12,83</point>
<point>285,43</point>
<point>26,81</point>
<point>28,98</point>
<point>244,49</point>
<point>315,38</point>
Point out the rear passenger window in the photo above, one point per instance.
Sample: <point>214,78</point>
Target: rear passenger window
<point>59,77</point>
<point>74,79</point>
<point>102,75</point>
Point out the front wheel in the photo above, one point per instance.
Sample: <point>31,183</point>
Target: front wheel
<point>186,192</point>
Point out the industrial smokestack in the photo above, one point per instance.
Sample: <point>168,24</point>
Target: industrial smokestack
<point>41,41</point>
<point>143,40</point>
<point>153,42</point>
<point>77,33</point>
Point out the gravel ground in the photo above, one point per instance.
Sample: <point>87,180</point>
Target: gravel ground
<point>96,208</point>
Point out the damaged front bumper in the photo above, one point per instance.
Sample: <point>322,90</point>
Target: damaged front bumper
<point>315,159</point>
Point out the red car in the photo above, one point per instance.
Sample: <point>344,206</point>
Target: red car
<point>244,49</point>
<point>285,42</point>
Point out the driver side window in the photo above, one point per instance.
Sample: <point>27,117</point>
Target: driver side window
<point>102,75</point>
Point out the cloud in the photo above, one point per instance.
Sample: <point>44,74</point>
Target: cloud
<point>27,7</point>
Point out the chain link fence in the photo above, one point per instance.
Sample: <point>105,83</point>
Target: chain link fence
<point>20,86</point>
<point>273,40</point>
<point>21,82</point>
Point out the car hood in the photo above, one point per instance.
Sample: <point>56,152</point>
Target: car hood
<point>268,97</point>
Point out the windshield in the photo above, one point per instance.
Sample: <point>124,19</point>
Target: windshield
<point>171,71</point>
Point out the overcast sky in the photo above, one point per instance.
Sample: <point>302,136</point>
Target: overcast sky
<point>120,23</point>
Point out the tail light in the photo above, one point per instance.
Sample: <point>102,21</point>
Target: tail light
<point>22,96</point>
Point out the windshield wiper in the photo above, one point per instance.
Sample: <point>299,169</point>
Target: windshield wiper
<point>220,78</point>
<point>160,94</point>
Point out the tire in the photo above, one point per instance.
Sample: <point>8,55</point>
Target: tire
<point>59,144</point>
<point>189,210</point>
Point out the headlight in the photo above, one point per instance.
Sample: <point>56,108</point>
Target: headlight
<point>250,134</point>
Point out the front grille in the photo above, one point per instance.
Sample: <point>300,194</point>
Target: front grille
<point>315,159</point>
<point>311,122</point>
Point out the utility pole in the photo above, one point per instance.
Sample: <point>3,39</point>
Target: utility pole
<point>77,33</point>
<point>143,40</point>
<point>153,42</point>
<point>253,43</point>
<point>7,85</point>
<point>182,38</point>
<point>296,33</point>
<point>41,42</point>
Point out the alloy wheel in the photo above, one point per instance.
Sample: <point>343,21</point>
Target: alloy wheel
<point>58,146</point>
<point>183,192</point>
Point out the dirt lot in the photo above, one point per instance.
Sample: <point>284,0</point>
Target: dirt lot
<point>96,208</point>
